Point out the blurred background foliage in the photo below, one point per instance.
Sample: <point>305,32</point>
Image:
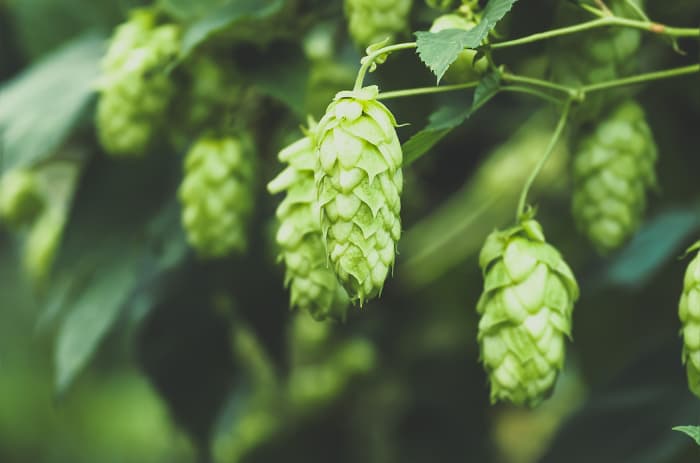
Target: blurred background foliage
<point>135,350</point>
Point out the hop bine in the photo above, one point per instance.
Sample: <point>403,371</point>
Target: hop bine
<point>613,167</point>
<point>689,313</point>
<point>526,306</point>
<point>359,183</point>
<point>217,194</point>
<point>313,285</point>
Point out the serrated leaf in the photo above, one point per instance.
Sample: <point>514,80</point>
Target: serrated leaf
<point>225,16</point>
<point>448,117</point>
<point>438,50</point>
<point>41,106</point>
<point>692,431</point>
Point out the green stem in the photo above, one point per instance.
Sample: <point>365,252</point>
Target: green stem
<point>533,92</point>
<point>369,60</point>
<point>508,77</point>
<point>425,90</point>
<point>550,148</point>
<point>601,22</point>
<point>641,78</point>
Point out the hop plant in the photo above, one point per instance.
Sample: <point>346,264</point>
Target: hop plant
<point>359,184</point>
<point>313,286</point>
<point>689,313</point>
<point>217,194</point>
<point>42,244</point>
<point>20,197</point>
<point>135,90</point>
<point>464,68</point>
<point>613,167</point>
<point>529,293</point>
<point>371,21</point>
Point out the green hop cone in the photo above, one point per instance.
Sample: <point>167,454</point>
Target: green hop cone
<point>525,309</point>
<point>598,55</point>
<point>135,90</point>
<point>371,21</point>
<point>359,184</point>
<point>464,69</point>
<point>689,313</point>
<point>217,194</point>
<point>613,167</point>
<point>20,197</point>
<point>313,285</point>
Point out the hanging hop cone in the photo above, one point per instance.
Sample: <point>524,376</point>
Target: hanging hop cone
<point>371,21</point>
<point>135,89</point>
<point>359,184</point>
<point>529,293</point>
<point>21,200</point>
<point>313,285</point>
<point>217,194</point>
<point>613,167</point>
<point>464,68</point>
<point>689,313</point>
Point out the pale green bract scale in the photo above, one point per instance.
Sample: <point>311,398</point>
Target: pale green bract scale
<point>312,284</point>
<point>359,183</point>
<point>689,313</point>
<point>525,309</point>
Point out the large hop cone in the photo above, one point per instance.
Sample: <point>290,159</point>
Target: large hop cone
<point>359,185</point>
<point>689,313</point>
<point>371,21</point>
<point>613,167</point>
<point>313,285</point>
<point>135,89</point>
<point>598,55</point>
<point>217,194</point>
<point>529,293</point>
<point>21,200</point>
<point>464,68</point>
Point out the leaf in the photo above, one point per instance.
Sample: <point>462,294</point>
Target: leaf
<point>41,106</point>
<point>224,16</point>
<point>442,121</point>
<point>692,431</point>
<point>440,49</point>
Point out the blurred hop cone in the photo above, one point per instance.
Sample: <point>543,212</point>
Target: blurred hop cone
<point>526,306</point>
<point>689,313</point>
<point>21,201</point>
<point>371,21</point>
<point>359,184</point>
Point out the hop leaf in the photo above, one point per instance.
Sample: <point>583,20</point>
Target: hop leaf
<point>464,68</point>
<point>359,184</point>
<point>313,286</point>
<point>529,293</point>
<point>217,194</point>
<point>135,89</point>
<point>20,197</point>
<point>689,313</point>
<point>613,167</point>
<point>371,21</point>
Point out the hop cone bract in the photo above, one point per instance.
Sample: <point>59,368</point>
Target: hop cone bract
<point>20,197</point>
<point>613,167</point>
<point>217,194</point>
<point>463,69</point>
<point>313,285</point>
<point>529,293</point>
<point>689,313</point>
<point>371,21</point>
<point>359,184</point>
<point>135,89</point>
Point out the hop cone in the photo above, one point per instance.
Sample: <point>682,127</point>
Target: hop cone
<point>464,69</point>
<point>598,55</point>
<point>359,184</point>
<point>20,197</point>
<point>371,21</point>
<point>613,167</point>
<point>689,312</point>
<point>217,194</point>
<point>134,89</point>
<point>313,286</point>
<point>529,293</point>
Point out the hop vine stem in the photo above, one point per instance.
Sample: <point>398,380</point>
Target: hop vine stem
<point>540,164</point>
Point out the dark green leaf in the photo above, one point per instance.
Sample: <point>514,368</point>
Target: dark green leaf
<point>40,107</point>
<point>692,431</point>
<point>440,49</point>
